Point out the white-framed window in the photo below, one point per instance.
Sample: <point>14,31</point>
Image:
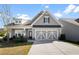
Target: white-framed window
<point>18,21</point>
<point>46,19</point>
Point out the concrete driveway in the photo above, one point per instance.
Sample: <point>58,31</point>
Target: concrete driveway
<point>53,48</point>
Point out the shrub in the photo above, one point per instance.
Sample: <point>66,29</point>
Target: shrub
<point>5,38</point>
<point>20,40</point>
<point>62,37</point>
<point>2,33</point>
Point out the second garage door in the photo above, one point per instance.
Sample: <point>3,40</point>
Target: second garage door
<point>46,35</point>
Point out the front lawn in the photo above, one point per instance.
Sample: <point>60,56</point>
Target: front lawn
<point>21,48</point>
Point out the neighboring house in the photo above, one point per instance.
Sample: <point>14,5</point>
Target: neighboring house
<point>1,29</point>
<point>70,29</point>
<point>43,26</point>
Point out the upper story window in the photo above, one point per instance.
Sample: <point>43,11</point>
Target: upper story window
<point>18,21</point>
<point>46,19</point>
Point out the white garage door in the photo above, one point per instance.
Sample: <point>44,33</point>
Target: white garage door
<point>43,35</point>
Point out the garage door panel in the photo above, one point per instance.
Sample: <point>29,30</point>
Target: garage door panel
<point>43,35</point>
<point>38,35</point>
<point>50,35</point>
<point>55,35</point>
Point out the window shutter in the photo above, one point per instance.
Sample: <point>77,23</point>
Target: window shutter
<point>44,19</point>
<point>48,19</point>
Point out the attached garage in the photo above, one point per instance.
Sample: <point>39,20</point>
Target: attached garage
<point>46,26</point>
<point>46,35</point>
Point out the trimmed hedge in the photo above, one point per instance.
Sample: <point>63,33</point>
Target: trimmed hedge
<point>18,39</point>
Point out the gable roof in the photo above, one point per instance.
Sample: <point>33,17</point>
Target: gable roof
<point>43,12</point>
<point>36,16</point>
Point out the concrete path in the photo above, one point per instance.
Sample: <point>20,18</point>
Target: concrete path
<point>53,48</point>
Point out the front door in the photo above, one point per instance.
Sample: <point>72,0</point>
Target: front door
<point>30,34</point>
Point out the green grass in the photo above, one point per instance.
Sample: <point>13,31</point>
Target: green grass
<point>15,48</point>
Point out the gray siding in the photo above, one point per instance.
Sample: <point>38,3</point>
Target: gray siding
<point>41,21</point>
<point>71,31</point>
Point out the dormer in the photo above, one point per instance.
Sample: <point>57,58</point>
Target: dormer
<point>17,21</point>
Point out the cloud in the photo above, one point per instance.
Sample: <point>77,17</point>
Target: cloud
<point>23,16</point>
<point>47,7</point>
<point>76,9</point>
<point>58,14</point>
<point>69,9</point>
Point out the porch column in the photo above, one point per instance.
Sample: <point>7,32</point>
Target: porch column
<point>26,33</point>
<point>57,34</point>
<point>35,34</point>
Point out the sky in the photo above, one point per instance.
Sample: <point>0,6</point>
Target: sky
<point>28,11</point>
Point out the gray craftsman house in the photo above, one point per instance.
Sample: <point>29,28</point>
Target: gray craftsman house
<point>43,26</point>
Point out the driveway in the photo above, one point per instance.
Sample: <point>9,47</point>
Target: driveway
<point>53,48</point>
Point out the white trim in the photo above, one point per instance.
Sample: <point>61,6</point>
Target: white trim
<point>54,18</point>
<point>57,34</point>
<point>35,34</point>
<point>37,19</point>
<point>10,35</point>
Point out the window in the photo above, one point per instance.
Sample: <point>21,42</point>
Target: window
<point>16,21</point>
<point>46,19</point>
<point>19,21</point>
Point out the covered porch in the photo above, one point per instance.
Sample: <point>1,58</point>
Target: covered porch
<point>25,32</point>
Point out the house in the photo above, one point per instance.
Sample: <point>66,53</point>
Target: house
<point>1,29</point>
<point>43,26</point>
<point>70,29</point>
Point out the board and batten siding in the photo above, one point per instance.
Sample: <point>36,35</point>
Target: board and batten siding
<point>41,21</point>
